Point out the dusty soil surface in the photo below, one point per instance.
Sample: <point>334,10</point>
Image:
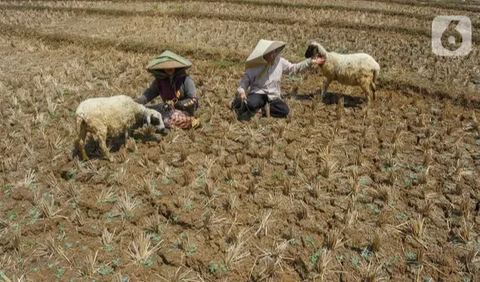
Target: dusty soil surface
<point>335,192</point>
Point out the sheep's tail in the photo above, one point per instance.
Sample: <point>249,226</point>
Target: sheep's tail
<point>81,124</point>
<point>80,121</point>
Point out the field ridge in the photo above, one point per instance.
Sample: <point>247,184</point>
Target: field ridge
<point>225,17</point>
<point>285,5</point>
<point>454,6</point>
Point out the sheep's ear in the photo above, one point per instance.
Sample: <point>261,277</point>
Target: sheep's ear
<point>308,53</point>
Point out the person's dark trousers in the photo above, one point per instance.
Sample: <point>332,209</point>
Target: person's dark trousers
<point>278,108</point>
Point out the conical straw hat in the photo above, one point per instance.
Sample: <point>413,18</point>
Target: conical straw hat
<point>168,60</point>
<point>263,47</point>
<point>167,64</point>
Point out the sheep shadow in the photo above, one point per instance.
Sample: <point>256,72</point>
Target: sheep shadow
<point>331,98</point>
<point>348,101</point>
<point>114,144</point>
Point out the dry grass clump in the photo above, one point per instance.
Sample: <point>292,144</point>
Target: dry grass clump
<point>50,248</point>
<point>252,187</point>
<point>353,180</point>
<point>472,259</point>
<point>140,249</point>
<point>236,253</point>
<point>315,188</point>
<point>351,214</point>
<point>417,227</point>
<point>324,264</point>
<point>384,193</point>
<point>334,239</point>
<point>263,223</point>
<point>88,266</point>
<point>126,205</point>
<point>178,276</point>
<point>4,225</point>
<point>372,273</point>
<point>272,261</point>
<point>212,222</point>
<point>427,208</point>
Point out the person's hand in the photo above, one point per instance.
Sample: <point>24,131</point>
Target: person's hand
<point>241,95</point>
<point>318,60</point>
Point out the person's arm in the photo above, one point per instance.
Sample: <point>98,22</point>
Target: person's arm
<point>190,91</point>
<point>289,68</point>
<point>149,94</point>
<point>244,84</point>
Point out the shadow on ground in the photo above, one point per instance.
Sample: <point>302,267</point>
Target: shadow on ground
<point>330,98</point>
<point>114,144</point>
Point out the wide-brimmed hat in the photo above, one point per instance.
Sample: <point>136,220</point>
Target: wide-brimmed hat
<point>263,48</point>
<point>168,60</point>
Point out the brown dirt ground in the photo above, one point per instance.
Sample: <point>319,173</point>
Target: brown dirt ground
<point>332,193</point>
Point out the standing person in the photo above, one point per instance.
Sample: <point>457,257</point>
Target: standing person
<point>263,73</point>
<point>175,87</point>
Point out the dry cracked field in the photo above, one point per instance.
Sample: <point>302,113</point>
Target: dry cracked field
<point>335,192</point>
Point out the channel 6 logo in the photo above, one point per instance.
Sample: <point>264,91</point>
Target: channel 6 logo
<point>451,36</point>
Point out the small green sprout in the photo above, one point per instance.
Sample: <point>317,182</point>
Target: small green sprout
<point>147,262</point>
<point>192,249</point>
<point>105,270</point>
<point>355,261</point>
<point>314,257</point>
<point>60,272</point>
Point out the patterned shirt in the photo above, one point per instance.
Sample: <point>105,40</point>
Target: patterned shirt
<point>269,82</point>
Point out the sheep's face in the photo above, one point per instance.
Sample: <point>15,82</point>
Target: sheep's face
<point>312,51</point>
<point>155,119</point>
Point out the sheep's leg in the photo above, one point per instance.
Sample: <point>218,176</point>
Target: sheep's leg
<point>365,84</point>
<point>82,136</point>
<point>127,136</point>
<point>325,87</point>
<point>104,148</point>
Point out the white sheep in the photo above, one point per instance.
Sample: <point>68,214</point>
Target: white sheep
<point>349,69</point>
<point>111,116</point>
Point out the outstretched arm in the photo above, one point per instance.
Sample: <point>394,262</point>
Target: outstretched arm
<point>289,68</point>
<point>149,94</point>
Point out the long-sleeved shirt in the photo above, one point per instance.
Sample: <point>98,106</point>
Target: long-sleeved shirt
<point>187,100</point>
<point>269,82</point>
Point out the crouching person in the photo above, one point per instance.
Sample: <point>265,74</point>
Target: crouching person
<point>263,73</point>
<point>176,88</point>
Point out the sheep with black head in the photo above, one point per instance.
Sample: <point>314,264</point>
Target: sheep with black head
<point>357,69</point>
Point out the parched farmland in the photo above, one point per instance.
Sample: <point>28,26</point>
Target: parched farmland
<point>335,192</point>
